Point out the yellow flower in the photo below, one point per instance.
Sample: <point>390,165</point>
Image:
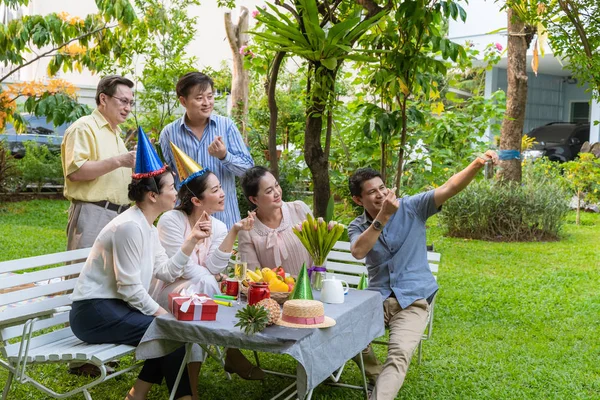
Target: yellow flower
<point>64,16</point>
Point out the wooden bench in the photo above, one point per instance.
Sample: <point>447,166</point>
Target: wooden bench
<point>342,264</point>
<point>33,328</point>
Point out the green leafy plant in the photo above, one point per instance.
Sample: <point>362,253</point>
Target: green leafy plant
<point>40,166</point>
<point>324,34</point>
<point>8,168</point>
<point>583,178</point>
<point>252,319</point>
<point>532,210</point>
<point>71,43</point>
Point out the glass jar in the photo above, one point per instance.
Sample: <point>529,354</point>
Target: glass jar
<point>317,275</point>
<point>257,292</point>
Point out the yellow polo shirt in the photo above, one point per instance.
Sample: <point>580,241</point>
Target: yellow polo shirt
<point>91,138</point>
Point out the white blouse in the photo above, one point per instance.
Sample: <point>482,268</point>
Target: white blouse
<point>206,258</point>
<point>266,247</point>
<point>125,257</point>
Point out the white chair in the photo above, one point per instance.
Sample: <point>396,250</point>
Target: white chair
<point>342,264</point>
<point>33,321</point>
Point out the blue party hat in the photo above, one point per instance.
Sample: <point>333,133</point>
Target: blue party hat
<point>147,162</point>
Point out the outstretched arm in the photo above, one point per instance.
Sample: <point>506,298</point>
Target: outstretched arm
<point>461,180</point>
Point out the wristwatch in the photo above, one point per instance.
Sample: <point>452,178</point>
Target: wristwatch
<point>377,225</point>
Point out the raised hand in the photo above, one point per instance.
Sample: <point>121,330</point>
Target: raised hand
<point>217,148</point>
<point>488,155</point>
<point>127,160</point>
<point>246,224</point>
<point>203,227</point>
<point>390,203</point>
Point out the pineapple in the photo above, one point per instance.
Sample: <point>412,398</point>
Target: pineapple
<point>252,319</point>
<point>272,308</point>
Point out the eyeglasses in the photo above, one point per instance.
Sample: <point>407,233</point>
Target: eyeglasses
<point>124,102</point>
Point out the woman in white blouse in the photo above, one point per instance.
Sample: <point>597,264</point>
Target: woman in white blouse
<point>111,303</point>
<point>272,243</point>
<point>199,198</point>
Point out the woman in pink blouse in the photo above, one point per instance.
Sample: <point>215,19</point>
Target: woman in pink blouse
<point>271,243</point>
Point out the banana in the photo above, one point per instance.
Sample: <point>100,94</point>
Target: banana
<point>254,276</point>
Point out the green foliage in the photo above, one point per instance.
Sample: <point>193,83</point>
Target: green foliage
<point>574,34</point>
<point>410,47</point>
<point>58,108</point>
<point>8,168</point>
<point>40,166</point>
<point>583,178</point>
<point>71,43</point>
<point>164,33</point>
<point>531,211</point>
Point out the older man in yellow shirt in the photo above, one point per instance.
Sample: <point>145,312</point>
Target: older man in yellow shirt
<point>97,168</point>
<point>96,164</point>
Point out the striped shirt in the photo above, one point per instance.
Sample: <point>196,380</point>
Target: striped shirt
<point>235,163</point>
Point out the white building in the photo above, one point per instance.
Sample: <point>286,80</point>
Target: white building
<point>553,95</point>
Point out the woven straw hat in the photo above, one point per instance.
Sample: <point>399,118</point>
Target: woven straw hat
<point>304,314</point>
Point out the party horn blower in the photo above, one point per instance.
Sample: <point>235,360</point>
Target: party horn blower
<point>302,289</point>
<point>363,283</point>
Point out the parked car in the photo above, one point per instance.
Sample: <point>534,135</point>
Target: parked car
<point>559,141</point>
<point>38,130</point>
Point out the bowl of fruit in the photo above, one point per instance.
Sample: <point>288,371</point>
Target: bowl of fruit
<point>280,285</point>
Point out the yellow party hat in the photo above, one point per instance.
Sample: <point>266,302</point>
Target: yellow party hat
<point>187,168</point>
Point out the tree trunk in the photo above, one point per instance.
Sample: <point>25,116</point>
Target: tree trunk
<point>238,37</point>
<point>271,87</point>
<point>383,162</point>
<point>316,158</point>
<point>399,167</point>
<point>519,38</point>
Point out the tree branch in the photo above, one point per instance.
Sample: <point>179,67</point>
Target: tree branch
<point>47,53</point>
<point>280,3</point>
<point>573,17</point>
<point>372,7</point>
<point>230,31</point>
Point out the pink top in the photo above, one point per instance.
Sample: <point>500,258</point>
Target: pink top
<point>266,247</point>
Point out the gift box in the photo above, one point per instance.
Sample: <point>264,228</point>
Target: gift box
<point>192,307</point>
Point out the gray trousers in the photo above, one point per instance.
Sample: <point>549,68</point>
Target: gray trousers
<point>85,223</point>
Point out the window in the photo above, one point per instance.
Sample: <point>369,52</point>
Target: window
<point>580,112</point>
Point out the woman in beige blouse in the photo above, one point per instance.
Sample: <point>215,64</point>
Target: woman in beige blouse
<point>271,243</point>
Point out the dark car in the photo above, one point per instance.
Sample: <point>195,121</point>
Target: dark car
<point>559,141</point>
<point>38,130</point>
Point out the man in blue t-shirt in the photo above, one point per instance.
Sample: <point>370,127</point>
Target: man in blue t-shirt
<point>390,234</point>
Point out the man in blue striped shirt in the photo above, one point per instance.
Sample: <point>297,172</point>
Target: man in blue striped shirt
<point>211,140</point>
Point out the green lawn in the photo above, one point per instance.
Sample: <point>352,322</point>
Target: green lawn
<point>512,320</point>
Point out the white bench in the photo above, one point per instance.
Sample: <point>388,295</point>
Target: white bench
<point>342,264</point>
<point>33,323</point>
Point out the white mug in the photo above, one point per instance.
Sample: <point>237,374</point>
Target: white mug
<point>333,292</point>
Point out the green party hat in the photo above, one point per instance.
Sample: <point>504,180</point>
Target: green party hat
<point>363,283</point>
<point>302,289</point>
